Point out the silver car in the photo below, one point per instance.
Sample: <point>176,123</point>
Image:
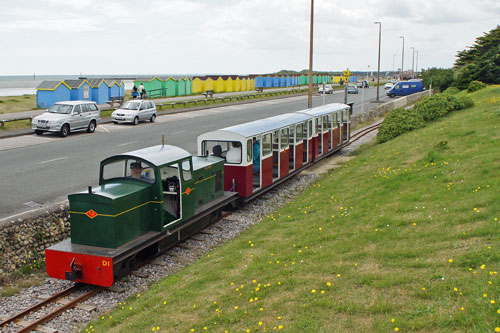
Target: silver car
<point>135,111</point>
<point>64,117</point>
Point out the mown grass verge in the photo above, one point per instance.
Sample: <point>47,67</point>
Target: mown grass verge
<point>403,237</point>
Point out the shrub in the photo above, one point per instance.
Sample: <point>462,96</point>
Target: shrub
<point>464,102</point>
<point>475,86</point>
<point>433,107</point>
<point>399,121</point>
<point>451,91</point>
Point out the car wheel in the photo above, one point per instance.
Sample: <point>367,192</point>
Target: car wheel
<point>115,122</point>
<point>38,132</point>
<point>392,95</point>
<point>91,127</point>
<point>64,131</point>
<point>153,118</point>
<point>136,120</point>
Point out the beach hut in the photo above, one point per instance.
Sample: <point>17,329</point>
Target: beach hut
<point>189,90</point>
<point>259,81</point>
<point>171,86</point>
<point>237,83</point>
<point>181,87</point>
<point>50,92</point>
<point>114,89</point>
<point>80,89</point>
<point>218,84</point>
<point>196,85</point>
<point>268,81</point>
<point>228,83</point>
<point>99,90</point>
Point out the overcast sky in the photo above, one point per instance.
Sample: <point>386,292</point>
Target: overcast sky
<point>233,36</point>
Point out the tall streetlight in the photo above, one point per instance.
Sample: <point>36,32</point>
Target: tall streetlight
<point>416,65</point>
<point>393,57</point>
<point>310,96</point>
<point>379,39</point>
<point>412,60</point>
<point>402,57</point>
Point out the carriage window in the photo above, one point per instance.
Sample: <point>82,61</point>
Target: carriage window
<point>330,121</point>
<point>335,119</point>
<point>299,132</point>
<point>249,150</point>
<point>284,138</point>
<point>266,144</point>
<point>310,128</point>
<point>215,148</point>
<point>186,170</point>
<point>292,135</point>
<point>317,125</point>
<point>325,123</point>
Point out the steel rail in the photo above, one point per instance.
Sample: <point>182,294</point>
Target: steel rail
<point>55,313</point>
<point>41,304</point>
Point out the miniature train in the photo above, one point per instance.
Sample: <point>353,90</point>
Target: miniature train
<point>150,199</point>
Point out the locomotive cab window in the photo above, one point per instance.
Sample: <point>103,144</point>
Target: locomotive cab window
<point>172,192</point>
<point>128,168</point>
<point>186,170</point>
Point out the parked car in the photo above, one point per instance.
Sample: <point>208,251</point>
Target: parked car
<point>388,85</point>
<point>328,89</point>
<point>404,88</point>
<point>64,117</point>
<point>363,84</point>
<point>135,111</point>
<point>352,89</point>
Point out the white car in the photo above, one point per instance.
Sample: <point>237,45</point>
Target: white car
<point>64,117</point>
<point>328,89</point>
<point>388,85</point>
<point>135,111</point>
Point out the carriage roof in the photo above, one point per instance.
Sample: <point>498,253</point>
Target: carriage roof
<point>266,125</point>
<point>324,109</point>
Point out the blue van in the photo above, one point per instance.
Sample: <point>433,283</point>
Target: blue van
<point>406,88</point>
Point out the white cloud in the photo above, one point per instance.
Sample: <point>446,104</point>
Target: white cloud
<point>220,36</point>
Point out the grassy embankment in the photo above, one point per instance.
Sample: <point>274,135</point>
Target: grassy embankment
<point>404,237</point>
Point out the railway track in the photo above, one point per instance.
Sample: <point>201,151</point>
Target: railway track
<point>358,135</point>
<point>60,297</point>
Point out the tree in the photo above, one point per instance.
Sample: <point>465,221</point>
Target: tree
<point>441,78</point>
<point>480,62</point>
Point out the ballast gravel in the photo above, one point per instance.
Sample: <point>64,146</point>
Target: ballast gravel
<point>168,263</point>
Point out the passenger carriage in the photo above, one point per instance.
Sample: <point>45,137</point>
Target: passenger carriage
<point>284,148</point>
<point>331,128</point>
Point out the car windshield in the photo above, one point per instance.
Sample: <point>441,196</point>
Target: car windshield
<point>61,108</point>
<point>131,106</point>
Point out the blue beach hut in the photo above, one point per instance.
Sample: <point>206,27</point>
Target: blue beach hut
<point>114,89</point>
<point>80,89</point>
<point>99,90</point>
<point>50,92</point>
<point>259,82</point>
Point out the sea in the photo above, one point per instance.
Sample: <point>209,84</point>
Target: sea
<point>18,85</point>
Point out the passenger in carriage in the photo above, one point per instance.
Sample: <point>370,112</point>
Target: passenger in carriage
<point>256,156</point>
<point>234,153</point>
<point>217,151</point>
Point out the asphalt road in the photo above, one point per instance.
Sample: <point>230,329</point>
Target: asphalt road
<point>41,170</point>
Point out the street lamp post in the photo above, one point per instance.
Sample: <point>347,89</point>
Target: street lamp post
<point>393,57</point>
<point>309,96</point>
<point>416,65</point>
<point>412,60</point>
<point>378,68</point>
<point>402,57</point>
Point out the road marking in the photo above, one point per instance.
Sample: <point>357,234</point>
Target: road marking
<point>206,126</point>
<point>55,159</point>
<point>178,132</point>
<point>128,143</point>
<point>104,128</point>
<point>239,119</point>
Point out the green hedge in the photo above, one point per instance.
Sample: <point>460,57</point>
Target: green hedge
<point>399,121</point>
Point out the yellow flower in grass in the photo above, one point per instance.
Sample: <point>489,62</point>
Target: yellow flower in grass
<point>280,327</point>
<point>396,329</point>
<point>328,284</point>
<point>450,260</point>
<point>313,291</point>
<point>497,329</point>
<point>492,301</point>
